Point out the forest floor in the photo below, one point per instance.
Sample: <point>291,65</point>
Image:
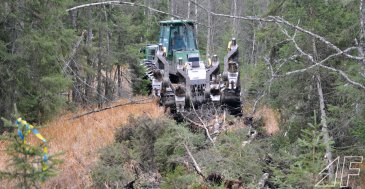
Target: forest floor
<point>80,140</point>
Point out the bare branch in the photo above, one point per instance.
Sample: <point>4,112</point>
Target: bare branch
<point>73,52</point>
<point>120,3</point>
<point>316,36</point>
<point>191,121</point>
<point>274,19</point>
<point>196,166</point>
<point>344,75</point>
<point>320,63</point>
<point>280,20</point>
<point>203,124</point>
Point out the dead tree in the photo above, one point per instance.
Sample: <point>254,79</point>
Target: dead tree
<point>325,132</point>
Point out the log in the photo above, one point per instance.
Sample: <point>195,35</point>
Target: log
<point>142,101</point>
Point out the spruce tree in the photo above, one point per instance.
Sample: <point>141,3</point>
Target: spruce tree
<point>29,164</point>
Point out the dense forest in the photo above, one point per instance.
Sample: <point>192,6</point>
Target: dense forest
<point>302,61</point>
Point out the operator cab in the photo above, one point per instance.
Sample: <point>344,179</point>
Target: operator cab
<point>177,35</point>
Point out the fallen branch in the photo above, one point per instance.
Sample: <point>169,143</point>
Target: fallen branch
<point>196,166</point>
<point>142,101</point>
<point>203,124</point>
<point>264,178</point>
<point>253,135</point>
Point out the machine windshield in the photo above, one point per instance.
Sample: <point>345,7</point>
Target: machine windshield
<point>178,37</point>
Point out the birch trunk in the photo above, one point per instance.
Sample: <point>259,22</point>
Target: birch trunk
<point>362,34</point>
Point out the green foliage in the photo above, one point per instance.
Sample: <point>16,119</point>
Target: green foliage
<point>141,84</point>
<point>233,160</point>
<point>170,146</point>
<point>134,147</point>
<point>179,178</point>
<point>30,71</point>
<point>253,79</point>
<point>111,168</point>
<point>150,145</point>
<point>296,96</point>
<point>299,164</point>
<point>25,165</point>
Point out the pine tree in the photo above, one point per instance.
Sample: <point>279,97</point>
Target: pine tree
<point>29,164</point>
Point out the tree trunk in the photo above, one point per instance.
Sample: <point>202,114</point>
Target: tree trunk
<point>148,15</point>
<point>189,4</point>
<point>108,91</point>
<point>362,34</point>
<point>73,15</point>
<point>119,76</point>
<point>77,94</point>
<point>172,4</point>
<point>76,90</point>
<point>209,8</point>
<point>99,82</point>
<point>196,17</point>
<point>234,11</point>
<point>253,52</point>
<point>89,76</point>
<point>326,137</point>
<point>362,25</point>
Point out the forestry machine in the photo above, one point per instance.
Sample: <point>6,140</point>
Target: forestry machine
<point>181,79</point>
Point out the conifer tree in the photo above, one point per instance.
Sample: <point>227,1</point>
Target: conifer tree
<point>29,164</point>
